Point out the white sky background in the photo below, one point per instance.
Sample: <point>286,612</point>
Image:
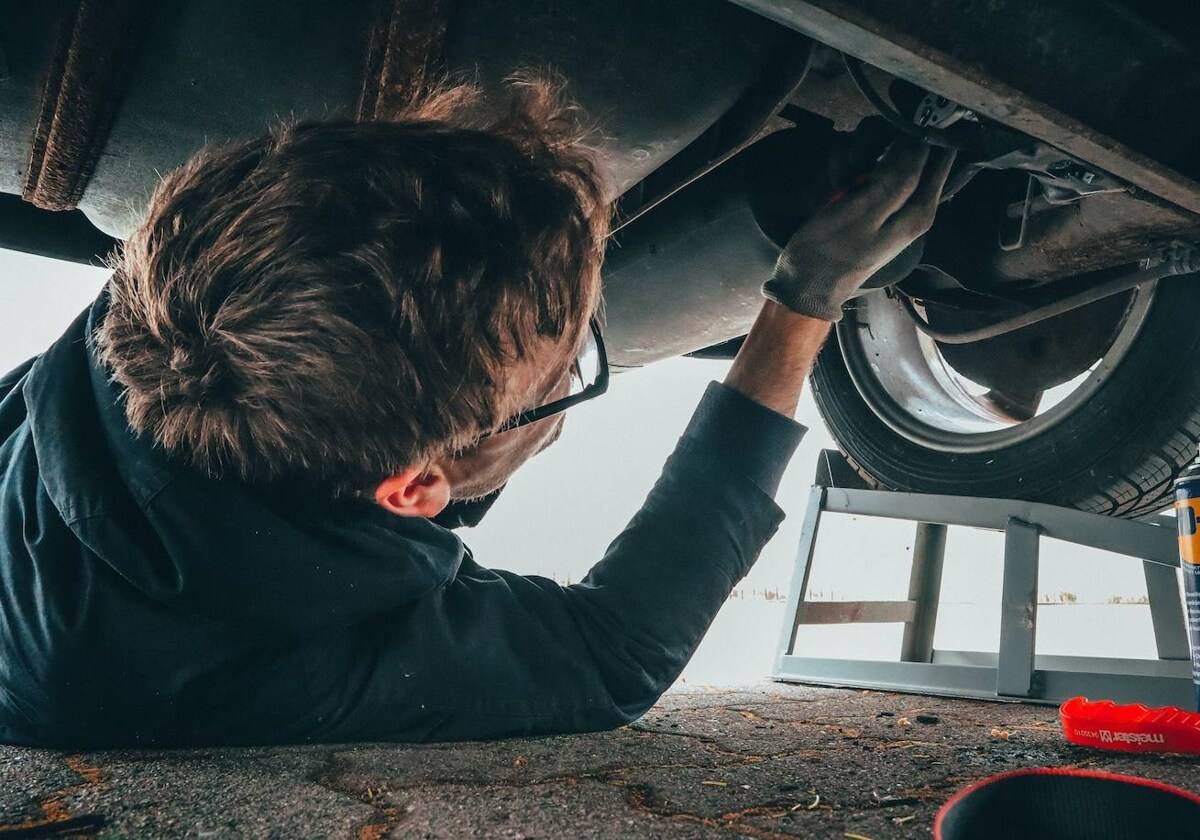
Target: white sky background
<point>562,509</point>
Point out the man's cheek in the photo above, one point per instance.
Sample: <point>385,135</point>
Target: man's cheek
<point>555,433</point>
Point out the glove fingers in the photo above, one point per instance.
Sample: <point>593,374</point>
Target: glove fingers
<point>893,181</point>
<point>916,217</point>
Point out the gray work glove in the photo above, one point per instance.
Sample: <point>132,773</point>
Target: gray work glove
<point>833,253</point>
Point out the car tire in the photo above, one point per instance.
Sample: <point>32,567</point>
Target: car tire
<point>1116,454</point>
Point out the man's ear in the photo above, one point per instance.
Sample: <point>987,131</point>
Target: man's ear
<point>415,491</point>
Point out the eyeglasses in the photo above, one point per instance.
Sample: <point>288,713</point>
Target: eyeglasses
<point>589,379</point>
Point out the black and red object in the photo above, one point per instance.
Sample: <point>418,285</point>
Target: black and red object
<point>1068,804</point>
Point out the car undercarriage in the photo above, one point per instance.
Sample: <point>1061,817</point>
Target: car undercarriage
<point>1038,343</point>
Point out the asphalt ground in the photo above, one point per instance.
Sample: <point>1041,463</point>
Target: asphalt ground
<point>772,761</point>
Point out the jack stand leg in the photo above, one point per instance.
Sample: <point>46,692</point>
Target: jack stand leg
<point>1018,610</point>
<point>924,590</point>
<point>804,559</point>
<point>1166,611</point>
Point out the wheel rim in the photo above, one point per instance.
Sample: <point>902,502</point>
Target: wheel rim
<point>903,378</point>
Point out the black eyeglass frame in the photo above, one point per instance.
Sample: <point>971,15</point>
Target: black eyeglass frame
<point>558,406</point>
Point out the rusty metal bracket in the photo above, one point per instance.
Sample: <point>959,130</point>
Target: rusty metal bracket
<point>95,53</point>
<point>403,56</point>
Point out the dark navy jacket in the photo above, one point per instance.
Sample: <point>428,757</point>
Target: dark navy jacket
<point>141,603</point>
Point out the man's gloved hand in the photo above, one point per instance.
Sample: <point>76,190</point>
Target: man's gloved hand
<point>832,254</point>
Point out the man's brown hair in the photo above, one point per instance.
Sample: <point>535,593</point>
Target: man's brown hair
<point>336,301</point>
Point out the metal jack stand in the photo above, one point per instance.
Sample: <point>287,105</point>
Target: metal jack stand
<point>1015,672</point>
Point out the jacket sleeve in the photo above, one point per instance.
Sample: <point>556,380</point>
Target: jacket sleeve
<point>9,380</point>
<point>12,411</point>
<point>494,653</point>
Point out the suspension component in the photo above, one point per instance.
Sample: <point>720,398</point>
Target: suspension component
<point>1177,259</point>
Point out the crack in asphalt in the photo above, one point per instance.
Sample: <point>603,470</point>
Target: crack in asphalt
<point>641,796</point>
<point>57,818</point>
<point>386,817</point>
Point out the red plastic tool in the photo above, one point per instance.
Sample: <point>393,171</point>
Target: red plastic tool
<point>1130,728</point>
